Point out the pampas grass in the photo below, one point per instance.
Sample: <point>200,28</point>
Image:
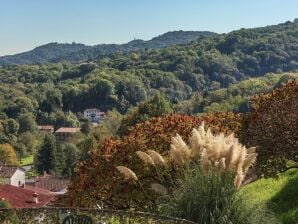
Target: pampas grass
<point>156,157</point>
<point>127,173</point>
<point>159,189</point>
<point>223,152</point>
<point>145,158</point>
<point>211,199</point>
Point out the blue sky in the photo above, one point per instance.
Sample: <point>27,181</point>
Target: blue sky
<point>25,24</point>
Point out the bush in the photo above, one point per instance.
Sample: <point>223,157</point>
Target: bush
<point>99,180</point>
<point>272,126</point>
<point>210,199</point>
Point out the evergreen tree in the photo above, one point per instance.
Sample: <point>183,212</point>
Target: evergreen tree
<point>47,154</point>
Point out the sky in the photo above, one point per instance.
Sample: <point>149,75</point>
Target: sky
<point>26,24</point>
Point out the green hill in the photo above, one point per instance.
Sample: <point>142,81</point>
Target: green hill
<point>280,195</point>
<point>74,53</point>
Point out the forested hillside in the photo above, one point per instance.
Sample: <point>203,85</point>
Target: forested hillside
<point>217,73</point>
<point>74,53</point>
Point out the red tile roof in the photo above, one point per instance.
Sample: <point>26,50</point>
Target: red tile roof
<point>38,190</point>
<point>19,197</point>
<point>48,182</point>
<point>68,130</point>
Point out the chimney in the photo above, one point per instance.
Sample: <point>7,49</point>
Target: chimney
<point>35,198</point>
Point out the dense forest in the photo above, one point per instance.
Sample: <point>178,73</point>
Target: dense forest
<point>213,73</point>
<point>74,53</point>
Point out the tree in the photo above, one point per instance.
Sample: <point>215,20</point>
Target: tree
<point>8,155</point>
<point>86,127</point>
<point>156,106</point>
<point>27,123</point>
<point>272,126</point>
<point>53,101</point>
<point>70,154</point>
<point>11,127</point>
<point>46,157</point>
<point>112,121</point>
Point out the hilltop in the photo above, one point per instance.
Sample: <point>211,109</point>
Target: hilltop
<point>76,52</point>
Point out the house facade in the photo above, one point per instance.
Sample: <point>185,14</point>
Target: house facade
<point>94,115</point>
<point>12,175</point>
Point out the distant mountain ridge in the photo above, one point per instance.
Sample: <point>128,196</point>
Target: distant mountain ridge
<point>75,52</point>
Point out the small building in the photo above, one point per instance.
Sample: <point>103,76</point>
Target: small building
<point>63,133</point>
<point>12,175</point>
<point>46,128</point>
<point>53,184</point>
<point>94,115</point>
<point>18,197</point>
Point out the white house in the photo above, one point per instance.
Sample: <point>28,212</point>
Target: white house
<point>94,114</point>
<point>12,175</point>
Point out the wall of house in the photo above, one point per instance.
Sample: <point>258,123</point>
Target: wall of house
<point>18,178</point>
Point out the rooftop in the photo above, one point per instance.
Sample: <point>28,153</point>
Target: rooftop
<point>49,183</point>
<point>7,171</point>
<point>45,127</point>
<point>19,197</point>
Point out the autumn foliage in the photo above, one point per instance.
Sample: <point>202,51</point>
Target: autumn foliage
<point>8,155</point>
<point>272,125</point>
<point>99,180</point>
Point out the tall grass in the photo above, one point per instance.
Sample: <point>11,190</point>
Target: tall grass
<point>211,199</point>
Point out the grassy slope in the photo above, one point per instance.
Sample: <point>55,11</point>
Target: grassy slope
<point>280,195</point>
<point>28,160</point>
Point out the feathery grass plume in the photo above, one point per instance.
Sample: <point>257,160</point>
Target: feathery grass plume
<point>176,156</point>
<point>224,152</point>
<point>196,143</point>
<point>179,151</point>
<point>251,150</point>
<point>239,179</point>
<point>156,157</point>
<point>205,162</point>
<point>159,189</point>
<point>221,166</point>
<point>145,157</point>
<point>127,173</point>
<point>250,159</point>
<point>240,160</point>
<point>201,129</point>
<point>230,156</point>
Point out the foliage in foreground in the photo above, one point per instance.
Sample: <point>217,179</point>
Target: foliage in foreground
<point>97,179</point>
<point>209,171</point>
<point>211,199</point>
<point>272,126</point>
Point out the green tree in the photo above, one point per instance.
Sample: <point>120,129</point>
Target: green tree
<point>112,121</point>
<point>11,127</point>
<point>86,127</point>
<point>47,155</point>
<point>70,154</point>
<point>155,107</point>
<point>27,123</point>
